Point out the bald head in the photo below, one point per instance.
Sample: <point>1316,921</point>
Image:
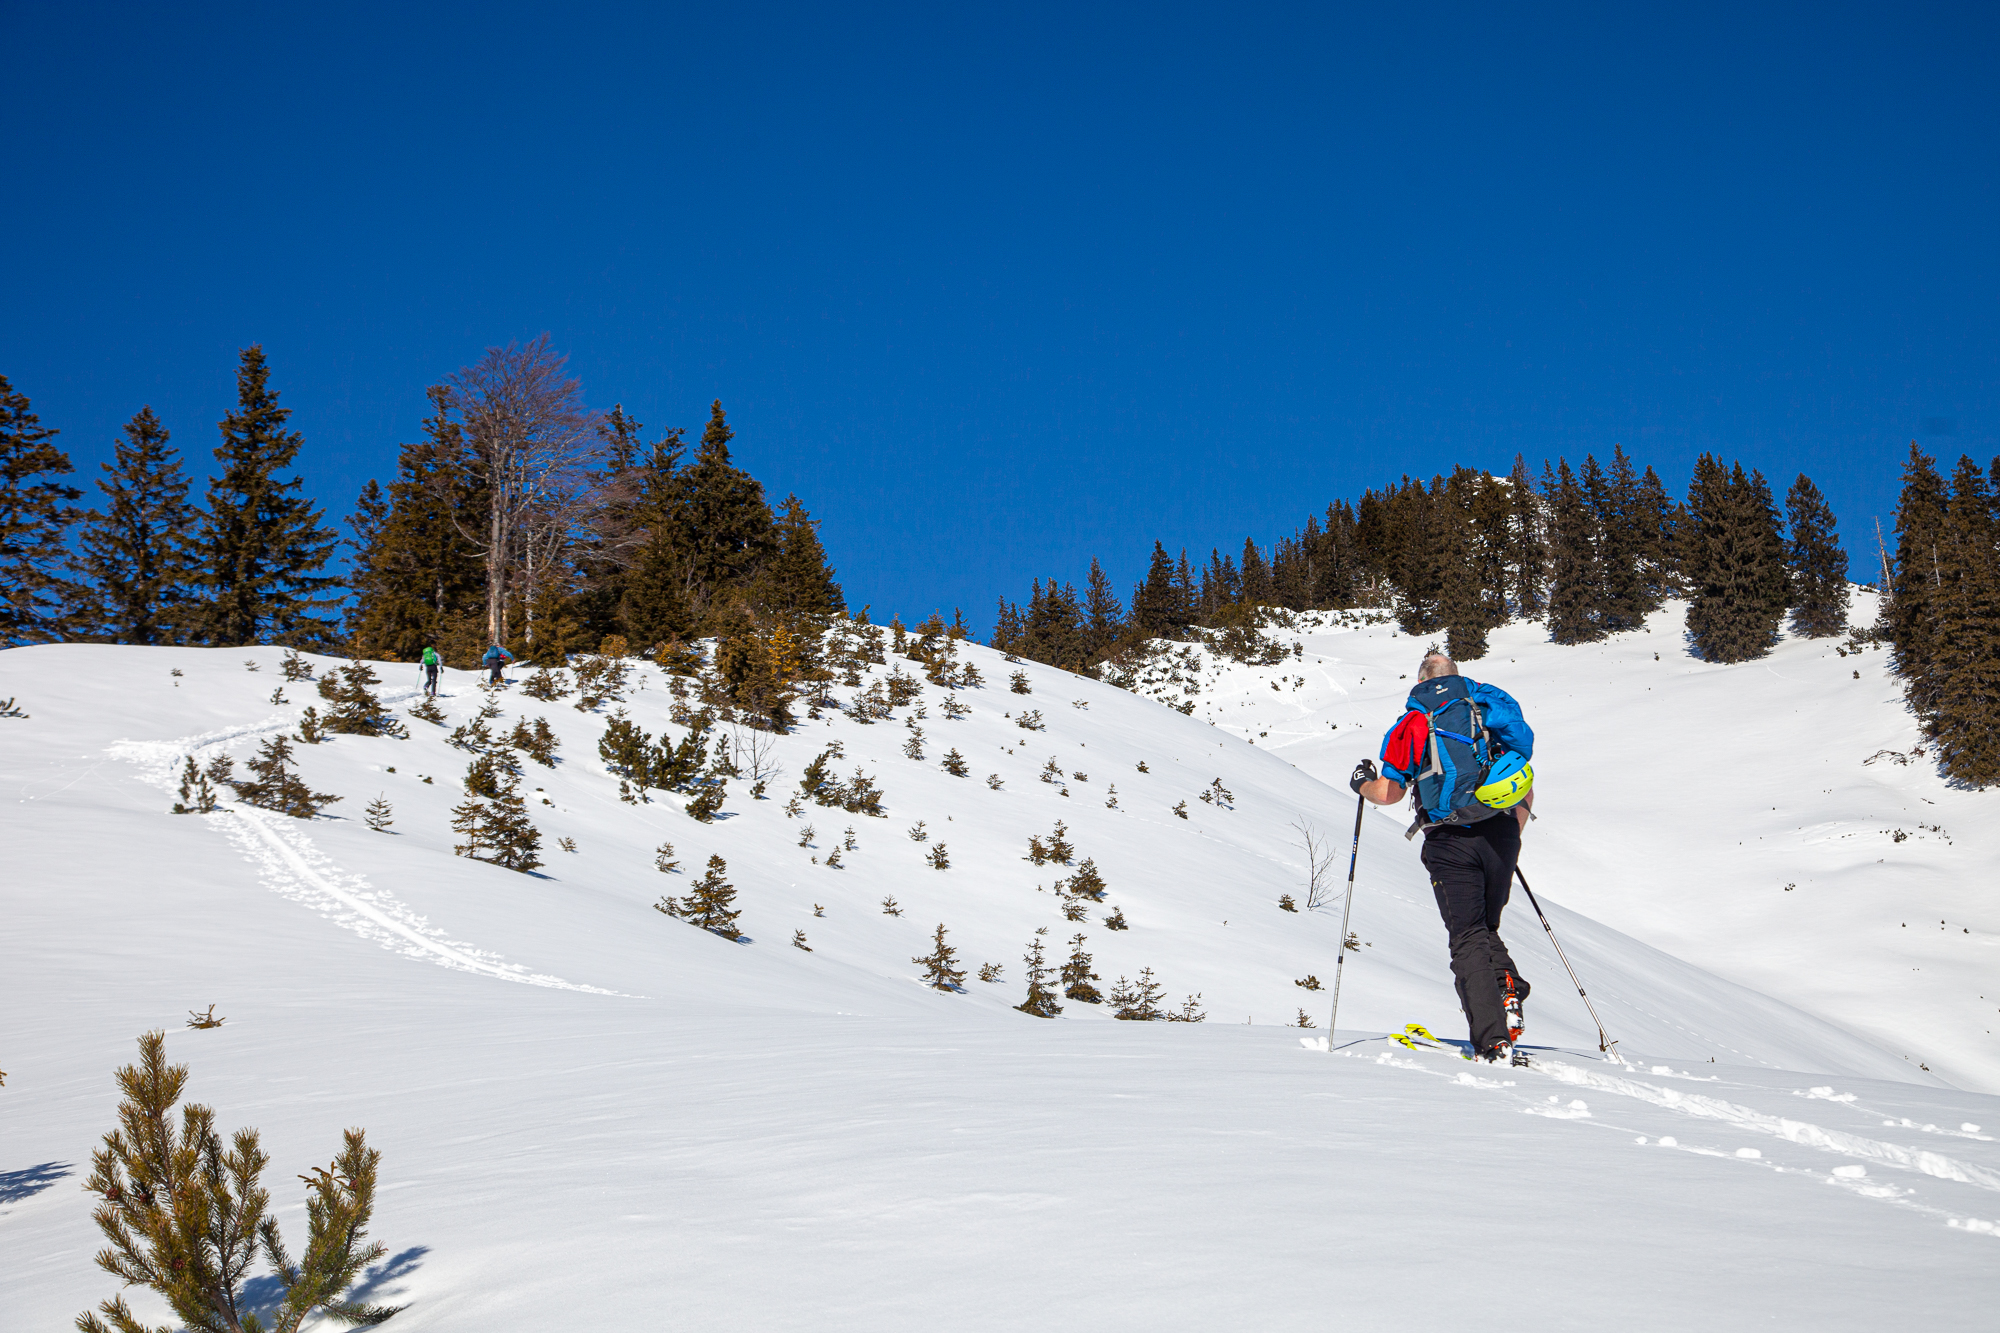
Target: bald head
<point>1437,664</point>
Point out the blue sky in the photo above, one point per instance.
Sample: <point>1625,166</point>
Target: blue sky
<point>995,289</point>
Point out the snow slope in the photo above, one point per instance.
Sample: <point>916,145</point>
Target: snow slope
<point>1765,821</point>
<point>592,1112</point>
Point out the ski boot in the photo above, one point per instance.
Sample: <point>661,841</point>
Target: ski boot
<point>1511,996</point>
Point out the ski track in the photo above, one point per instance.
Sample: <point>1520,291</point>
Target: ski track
<point>294,868</point>
<point>1715,1109</point>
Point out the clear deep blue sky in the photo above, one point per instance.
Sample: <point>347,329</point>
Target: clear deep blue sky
<point>995,289</point>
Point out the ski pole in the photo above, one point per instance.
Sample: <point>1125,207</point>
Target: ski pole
<point>1604,1043</point>
<point>1346,910</point>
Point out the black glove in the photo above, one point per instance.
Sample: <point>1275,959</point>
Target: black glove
<point>1363,772</point>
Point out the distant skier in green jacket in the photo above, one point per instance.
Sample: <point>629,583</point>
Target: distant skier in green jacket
<point>431,665</point>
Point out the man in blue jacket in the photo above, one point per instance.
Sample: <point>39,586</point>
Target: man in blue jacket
<point>496,659</point>
<point>1471,856</point>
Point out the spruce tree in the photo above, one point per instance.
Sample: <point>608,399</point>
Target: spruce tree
<point>1817,565</point>
<point>1613,499</point>
<point>724,522</point>
<point>1077,976</point>
<point>262,541</point>
<point>1530,550</point>
<point>1965,631</point>
<point>274,786</point>
<point>1916,582</point>
<point>1041,1001</point>
<point>418,581</point>
<point>1654,522</point>
<point>798,581</point>
<point>1257,589</point>
<point>35,513</point>
<point>941,970</point>
<point>1573,585</point>
<point>132,557</point>
<point>709,904</point>
<point>1738,571</point>
<point>1103,616</point>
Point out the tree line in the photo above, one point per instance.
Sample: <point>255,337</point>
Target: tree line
<point>524,518</point>
<point>520,517</point>
<point>1589,551</point>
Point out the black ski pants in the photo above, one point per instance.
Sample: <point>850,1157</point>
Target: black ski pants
<point>1472,868</point>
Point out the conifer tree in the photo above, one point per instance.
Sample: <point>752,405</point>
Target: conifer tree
<point>1573,586</point>
<point>798,581</point>
<point>274,786</point>
<point>1965,632</point>
<point>35,512</point>
<point>1257,589</point>
<point>1154,613</point>
<point>1817,565</point>
<point>418,582</point>
<point>1041,1001</point>
<point>1738,570</point>
<point>186,1216</point>
<point>1654,523</point>
<point>1613,499</point>
<point>724,521</point>
<point>132,557</point>
<point>1430,554</point>
<point>262,542</point>
<point>1917,581</point>
<point>1139,1001</point>
<point>941,970</point>
<point>1103,616</point>
<point>709,903</point>
<point>1530,549</point>
<point>1077,976</point>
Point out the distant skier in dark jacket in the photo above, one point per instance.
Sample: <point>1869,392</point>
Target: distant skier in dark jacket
<point>496,658</point>
<point>1469,849</point>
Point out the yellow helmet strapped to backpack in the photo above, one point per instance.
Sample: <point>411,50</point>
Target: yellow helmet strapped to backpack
<point>1507,782</point>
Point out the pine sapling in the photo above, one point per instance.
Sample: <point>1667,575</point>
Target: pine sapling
<point>707,801</point>
<point>1304,1021</point>
<point>663,859</point>
<point>1116,921</point>
<point>890,907</point>
<point>567,844</point>
<point>185,1215</point>
<point>806,835</point>
<point>311,730</point>
<point>278,696</point>
<point>799,941</point>
<point>913,748</point>
<point>940,964</point>
<point>201,1019</point>
<point>1180,809</point>
<point>709,902</point>
<point>380,814</point>
<point>1041,1001</point>
<point>1189,1012</point>
<point>1285,903</point>
<point>295,665</point>
<point>990,972</point>
<point>1018,683</point>
<point>917,833</point>
<point>1077,976</point>
<point>939,858</point>
<point>197,797</point>
<point>274,786</point>
<point>847,840</point>
<point>819,909</point>
<point>426,710</point>
<point>1309,981</point>
<point>993,781</point>
<point>832,861</point>
<point>954,763</point>
<point>1139,1002</point>
<point>1086,882</point>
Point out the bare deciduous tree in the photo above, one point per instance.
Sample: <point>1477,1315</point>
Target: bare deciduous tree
<point>532,442</point>
<point>1319,858</point>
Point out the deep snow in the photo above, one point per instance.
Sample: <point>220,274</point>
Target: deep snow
<point>589,1111</point>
